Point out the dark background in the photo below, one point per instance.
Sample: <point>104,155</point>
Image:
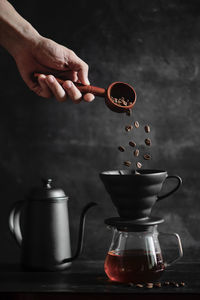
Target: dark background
<point>153,45</point>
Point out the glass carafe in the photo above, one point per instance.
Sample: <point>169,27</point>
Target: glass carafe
<point>135,256</point>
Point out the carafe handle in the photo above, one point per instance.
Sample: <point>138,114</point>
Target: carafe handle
<point>180,248</point>
<point>179,182</point>
<point>14,221</point>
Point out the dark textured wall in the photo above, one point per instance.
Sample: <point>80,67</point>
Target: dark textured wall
<point>153,45</point>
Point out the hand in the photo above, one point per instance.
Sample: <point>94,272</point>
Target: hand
<point>47,57</point>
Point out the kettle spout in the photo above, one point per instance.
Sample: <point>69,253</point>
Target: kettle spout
<point>81,232</point>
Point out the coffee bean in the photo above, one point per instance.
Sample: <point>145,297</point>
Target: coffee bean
<point>148,142</point>
<point>136,152</point>
<point>121,148</point>
<point>139,165</point>
<point>124,102</point>
<point>157,284</point>
<point>176,284</point>
<point>127,163</point>
<point>128,128</point>
<point>182,284</point>
<point>132,144</point>
<point>136,124</point>
<point>146,156</point>
<point>149,285</point>
<point>147,128</point>
<point>173,283</point>
<point>131,284</point>
<point>139,285</point>
<point>121,101</point>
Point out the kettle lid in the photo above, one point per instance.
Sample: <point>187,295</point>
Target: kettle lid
<point>46,191</point>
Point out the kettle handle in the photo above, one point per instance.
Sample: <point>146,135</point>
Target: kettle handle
<point>14,221</point>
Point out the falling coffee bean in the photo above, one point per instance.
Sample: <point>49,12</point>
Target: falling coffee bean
<point>148,142</point>
<point>136,124</point>
<point>127,163</point>
<point>128,128</point>
<point>139,165</point>
<point>121,148</point>
<point>132,144</point>
<point>136,152</point>
<point>147,156</point>
<point>129,112</point>
<point>147,128</point>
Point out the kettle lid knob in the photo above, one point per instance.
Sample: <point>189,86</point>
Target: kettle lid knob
<point>47,191</point>
<point>47,183</point>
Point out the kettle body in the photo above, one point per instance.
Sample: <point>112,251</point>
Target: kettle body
<point>46,239</point>
<point>44,235</point>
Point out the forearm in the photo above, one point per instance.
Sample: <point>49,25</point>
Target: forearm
<point>15,32</point>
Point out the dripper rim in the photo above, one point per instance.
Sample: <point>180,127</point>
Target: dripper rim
<point>136,172</point>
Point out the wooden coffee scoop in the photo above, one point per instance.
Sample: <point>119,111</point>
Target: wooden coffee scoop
<point>115,90</point>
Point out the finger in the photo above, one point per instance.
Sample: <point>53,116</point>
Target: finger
<point>72,91</point>
<point>36,86</point>
<point>56,88</point>
<point>83,74</point>
<point>68,75</point>
<point>45,91</point>
<point>88,97</point>
<point>78,65</point>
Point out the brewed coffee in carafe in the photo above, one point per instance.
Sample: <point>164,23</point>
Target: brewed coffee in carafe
<point>135,254</point>
<point>134,257</point>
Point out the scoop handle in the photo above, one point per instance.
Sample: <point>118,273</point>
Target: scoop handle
<point>95,90</point>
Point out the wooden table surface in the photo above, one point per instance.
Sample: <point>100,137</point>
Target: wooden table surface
<point>87,278</point>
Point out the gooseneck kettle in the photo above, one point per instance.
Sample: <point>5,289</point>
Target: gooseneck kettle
<point>43,230</point>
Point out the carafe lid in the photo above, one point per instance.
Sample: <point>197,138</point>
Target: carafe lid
<point>46,191</point>
<point>136,225</point>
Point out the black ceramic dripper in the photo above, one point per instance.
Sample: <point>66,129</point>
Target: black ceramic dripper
<point>135,193</point>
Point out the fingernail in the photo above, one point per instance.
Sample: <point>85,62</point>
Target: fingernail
<point>42,77</point>
<point>87,81</point>
<point>68,84</point>
<point>50,79</point>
